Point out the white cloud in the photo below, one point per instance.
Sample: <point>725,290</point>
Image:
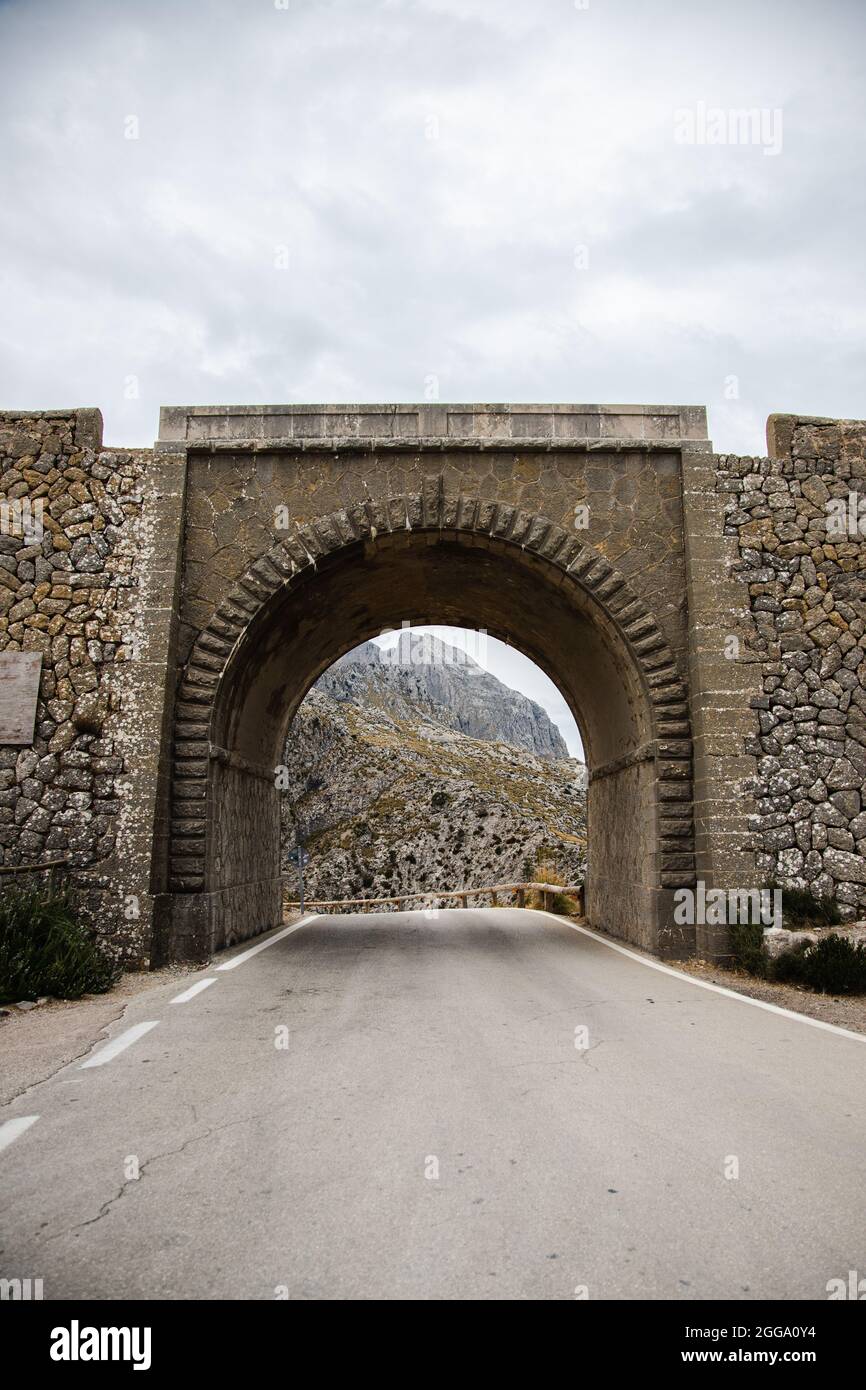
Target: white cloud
<point>309,129</point>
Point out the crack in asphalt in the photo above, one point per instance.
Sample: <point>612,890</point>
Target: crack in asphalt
<point>123,1007</point>
<point>585,1051</point>
<point>77,1057</point>
<point>148,1163</point>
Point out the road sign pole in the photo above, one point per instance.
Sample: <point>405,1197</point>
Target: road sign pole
<point>301,876</point>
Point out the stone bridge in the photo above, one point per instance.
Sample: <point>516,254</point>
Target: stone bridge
<point>698,612</point>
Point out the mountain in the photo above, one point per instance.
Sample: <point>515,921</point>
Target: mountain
<point>424,677</point>
<point>391,796</point>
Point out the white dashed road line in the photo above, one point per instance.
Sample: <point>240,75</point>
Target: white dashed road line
<point>10,1131</point>
<point>118,1044</point>
<point>263,945</point>
<point>193,990</point>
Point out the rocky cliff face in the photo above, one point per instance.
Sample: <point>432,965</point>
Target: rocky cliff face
<point>424,677</point>
<point>392,797</point>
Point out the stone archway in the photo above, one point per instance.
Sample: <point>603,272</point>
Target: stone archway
<point>430,557</point>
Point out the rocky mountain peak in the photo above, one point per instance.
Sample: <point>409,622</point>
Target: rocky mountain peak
<point>421,677</point>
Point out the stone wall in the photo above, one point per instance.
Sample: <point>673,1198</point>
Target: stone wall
<point>802,557</point>
<point>632,497</point>
<point>72,595</point>
<point>306,532</point>
<point>245,849</point>
<point>140,547</point>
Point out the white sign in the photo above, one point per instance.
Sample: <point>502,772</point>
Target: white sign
<point>19,690</point>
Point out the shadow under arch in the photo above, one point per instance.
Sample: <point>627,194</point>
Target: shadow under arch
<point>456,561</point>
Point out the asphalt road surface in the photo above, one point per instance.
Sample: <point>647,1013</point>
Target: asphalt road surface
<point>440,1105</point>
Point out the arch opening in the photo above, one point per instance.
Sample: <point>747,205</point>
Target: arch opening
<point>429,761</point>
<point>227,880</point>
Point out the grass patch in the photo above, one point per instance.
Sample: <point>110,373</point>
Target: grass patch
<point>45,948</point>
<point>561,904</point>
<point>833,965</point>
<point>748,949</point>
<point>802,909</point>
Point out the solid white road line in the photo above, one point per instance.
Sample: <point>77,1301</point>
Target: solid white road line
<point>118,1044</point>
<point>706,984</point>
<point>263,945</point>
<point>193,990</point>
<point>13,1128</point>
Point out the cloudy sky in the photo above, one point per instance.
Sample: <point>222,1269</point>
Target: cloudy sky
<point>341,200</point>
<point>241,201</point>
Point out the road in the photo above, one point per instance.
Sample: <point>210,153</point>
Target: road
<point>406,1106</point>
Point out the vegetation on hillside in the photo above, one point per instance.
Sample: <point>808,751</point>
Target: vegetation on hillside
<point>391,805</point>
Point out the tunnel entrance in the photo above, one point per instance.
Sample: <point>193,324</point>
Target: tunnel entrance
<point>557,601</point>
<point>426,762</point>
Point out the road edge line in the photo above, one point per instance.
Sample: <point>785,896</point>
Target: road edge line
<point>263,945</point>
<point>706,984</point>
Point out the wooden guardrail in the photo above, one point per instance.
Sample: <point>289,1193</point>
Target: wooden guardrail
<point>547,890</point>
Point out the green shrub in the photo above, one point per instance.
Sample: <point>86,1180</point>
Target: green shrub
<point>788,967</point>
<point>563,905</point>
<point>801,909</point>
<point>833,965</point>
<point>748,949</point>
<point>45,949</point>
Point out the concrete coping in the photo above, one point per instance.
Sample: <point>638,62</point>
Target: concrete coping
<point>424,424</point>
<point>175,449</point>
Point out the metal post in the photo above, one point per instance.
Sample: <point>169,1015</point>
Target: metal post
<point>301,876</point>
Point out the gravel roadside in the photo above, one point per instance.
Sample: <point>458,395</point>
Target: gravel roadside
<point>36,1043</point>
<point>846,1011</point>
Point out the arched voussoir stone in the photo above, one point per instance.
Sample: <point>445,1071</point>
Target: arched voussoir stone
<point>480,522</point>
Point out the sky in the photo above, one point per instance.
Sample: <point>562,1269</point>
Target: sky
<point>511,667</point>
<point>250,201</point>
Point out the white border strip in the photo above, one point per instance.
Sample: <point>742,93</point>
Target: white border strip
<point>706,984</point>
<point>118,1044</point>
<point>263,945</point>
<point>193,990</point>
<point>12,1129</point>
